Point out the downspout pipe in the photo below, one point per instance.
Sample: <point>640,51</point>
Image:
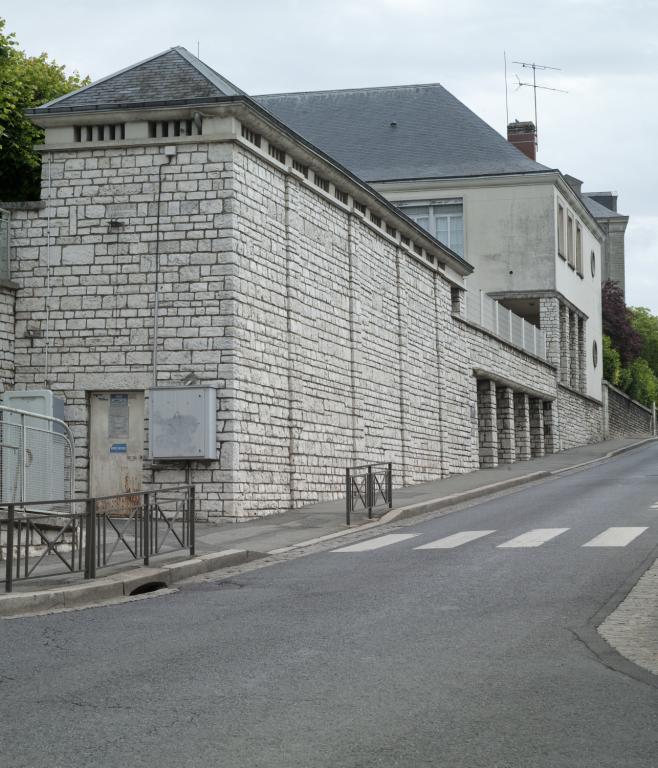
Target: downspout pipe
<point>169,153</point>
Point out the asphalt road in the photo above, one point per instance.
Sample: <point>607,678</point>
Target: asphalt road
<point>478,655</point>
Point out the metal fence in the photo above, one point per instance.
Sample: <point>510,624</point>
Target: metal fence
<point>37,457</point>
<point>50,538</point>
<point>492,316</point>
<point>368,487</point>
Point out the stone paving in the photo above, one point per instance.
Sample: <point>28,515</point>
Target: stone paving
<point>632,629</point>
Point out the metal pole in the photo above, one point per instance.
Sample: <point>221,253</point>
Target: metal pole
<point>389,481</point>
<point>94,554</point>
<point>146,544</point>
<point>192,520</point>
<point>348,498</point>
<point>369,492</point>
<point>9,565</point>
<point>23,458</point>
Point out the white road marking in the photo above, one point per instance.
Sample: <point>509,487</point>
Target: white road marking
<point>534,538</point>
<point>615,537</point>
<point>378,543</point>
<point>654,505</point>
<point>456,540</point>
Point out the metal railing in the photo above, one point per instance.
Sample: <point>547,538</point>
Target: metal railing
<point>37,457</point>
<point>51,538</point>
<point>367,487</point>
<point>492,316</point>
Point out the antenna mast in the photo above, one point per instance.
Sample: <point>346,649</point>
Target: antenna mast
<point>534,67</point>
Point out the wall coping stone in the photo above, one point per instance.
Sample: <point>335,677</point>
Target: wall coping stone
<point>580,394</point>
<point>504,341</point>
<point>626,397</point>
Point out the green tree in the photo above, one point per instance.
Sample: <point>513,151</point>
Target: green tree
<point>644,384</point>
<point>611,362</point>
<point>646,325</point>
<point>25,81</point>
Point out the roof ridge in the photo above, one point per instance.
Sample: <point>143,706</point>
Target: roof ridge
<point>212,76</point>
<point>224,86</point>
<point>351,90</point>
<point>105,79</point>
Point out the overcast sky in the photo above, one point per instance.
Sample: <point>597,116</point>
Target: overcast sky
<point>604,130</point>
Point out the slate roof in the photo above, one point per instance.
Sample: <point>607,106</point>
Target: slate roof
<point>600,211</point>
<point>173,75</point>
<point>399,132</point>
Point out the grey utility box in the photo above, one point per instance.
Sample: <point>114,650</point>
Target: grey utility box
<point>183,423</point>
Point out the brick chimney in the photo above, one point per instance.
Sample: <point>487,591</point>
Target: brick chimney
<point>524,137</point>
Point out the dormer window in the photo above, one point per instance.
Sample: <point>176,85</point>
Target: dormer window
<point>442,218</point>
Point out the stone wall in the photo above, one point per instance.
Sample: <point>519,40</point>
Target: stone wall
<point>328,342</point>
<point>101,287</point>
<point>626,417</point>
<point>7,336</point>
<point>579,419</point>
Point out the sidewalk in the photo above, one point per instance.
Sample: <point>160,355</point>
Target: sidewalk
<point>228,542</point>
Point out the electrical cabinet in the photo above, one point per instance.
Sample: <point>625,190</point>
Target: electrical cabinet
<point>183,423</point>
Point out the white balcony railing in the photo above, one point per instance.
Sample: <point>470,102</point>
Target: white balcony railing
<point>492,316</point>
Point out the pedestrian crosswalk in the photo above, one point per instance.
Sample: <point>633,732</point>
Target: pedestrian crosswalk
<point>618,536</point>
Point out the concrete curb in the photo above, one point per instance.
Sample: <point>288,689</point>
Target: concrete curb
<point>119,584</point>
<point>608,455</point>
<point>432,505</point>
<point>123,584</point>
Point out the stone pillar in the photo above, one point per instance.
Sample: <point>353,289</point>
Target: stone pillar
<point>582,355</point>
<point>605,411</point>
<point>550,431</point>
<point>565,367</point>
<point>505,417</point>
<point>487,424</point>
<point>522,426</point>
<point>574,378</point>
<point>458,301</point>
<point>536,428</point>
<point>549,322</point>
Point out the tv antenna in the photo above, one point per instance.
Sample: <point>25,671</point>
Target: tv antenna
<point>534,67</point>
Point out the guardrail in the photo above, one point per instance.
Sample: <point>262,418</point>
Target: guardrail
<point>37,452</point>
<point>492,316</point>
<point>55,537</point>
<point>367,487</point>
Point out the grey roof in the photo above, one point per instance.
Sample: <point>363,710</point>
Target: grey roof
<point>600,211</point>
<point>399,132</point>
<point>173,75</point>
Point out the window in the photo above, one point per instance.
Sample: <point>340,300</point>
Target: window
<point>251,136</point>
<point>595,353</point>
<point>321,182</point>
<point>560,232</point>
<point>340,195</point>
<point>110,132</point>
<point>360,208</point>
<point>442,218</point>
<point>592,263</point>
<point>579,250</point>
<point>300,168</point>
<point>570,255</point>
<point>277,153</point>
<point>391,231</point>
<point>376,220</point>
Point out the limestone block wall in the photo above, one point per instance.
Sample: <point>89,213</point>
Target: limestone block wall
<point>626,417</point>
<point>328,342</point>
<point>100,289</point>
<point>7,335</point>
<point>579,419</point>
